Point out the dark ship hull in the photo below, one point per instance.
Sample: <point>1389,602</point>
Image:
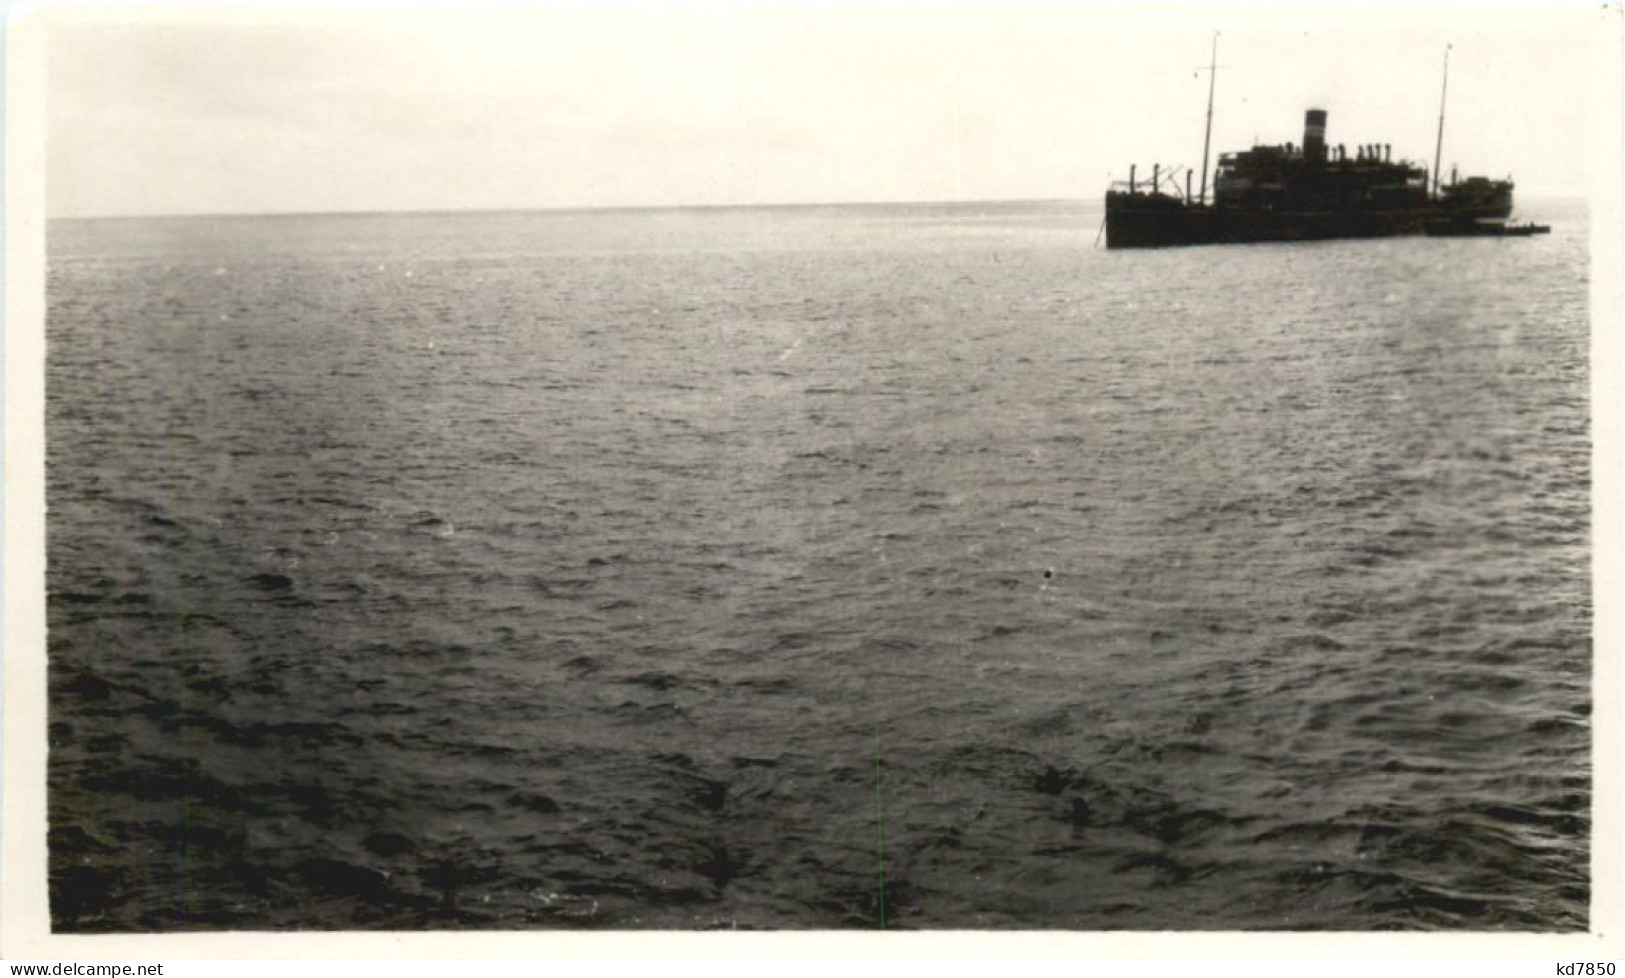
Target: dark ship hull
<point>1133,221</point>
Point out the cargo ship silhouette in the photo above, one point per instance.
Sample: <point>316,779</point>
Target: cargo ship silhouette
<point>1312,191</point>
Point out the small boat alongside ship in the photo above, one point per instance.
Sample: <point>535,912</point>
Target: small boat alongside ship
<point>1483,229</point>
<point>1311,191</point>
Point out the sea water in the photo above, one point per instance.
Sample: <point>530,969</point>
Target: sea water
<point>850,567</point>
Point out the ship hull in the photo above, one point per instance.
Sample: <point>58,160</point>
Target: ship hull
<point>1169,222</point>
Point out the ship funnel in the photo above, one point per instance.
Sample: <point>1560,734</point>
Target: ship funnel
<point>1314,136</point>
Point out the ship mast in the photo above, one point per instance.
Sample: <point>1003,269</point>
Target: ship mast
<point>1438,144</point>
<point>1207,137</point>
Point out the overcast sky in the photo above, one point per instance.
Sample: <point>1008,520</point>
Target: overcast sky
<point>620,104</point>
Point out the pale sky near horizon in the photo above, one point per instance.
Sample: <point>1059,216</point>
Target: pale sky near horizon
<point>644,104</point>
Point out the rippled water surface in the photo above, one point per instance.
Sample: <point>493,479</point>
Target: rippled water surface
<point>823,567</point>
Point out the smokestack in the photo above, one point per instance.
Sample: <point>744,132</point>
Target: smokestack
<point>1314,136</point>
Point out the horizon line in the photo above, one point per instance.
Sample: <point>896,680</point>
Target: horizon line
<point>577,208</point>
<point>1564,195</point>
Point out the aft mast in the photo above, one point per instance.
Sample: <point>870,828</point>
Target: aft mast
<point>1207,137</point>
<point>1438,144</point>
